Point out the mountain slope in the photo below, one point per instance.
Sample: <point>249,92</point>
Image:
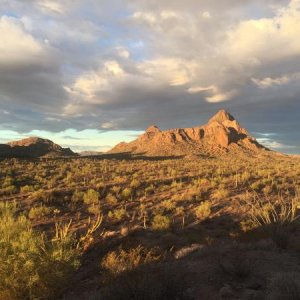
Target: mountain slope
<point>33,147</point>
<point>221,134</point>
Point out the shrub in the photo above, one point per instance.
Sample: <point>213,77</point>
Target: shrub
<point>161,222</point>
<point>220,194</point>
<point>39,212</point>
<point>257,186</point>
<point>31,266</point>
<point>118,214</point>
<point>168,205</point>
<point>126,193</point>
<point>77,196</point>
<point>94,209</point>
<point>135,183</point>
<point>120,261</point>
<point>203,211</point>
<point>264,212</point>
<point>91,197</point>
<point>111,199</point>
<point>26,189</point>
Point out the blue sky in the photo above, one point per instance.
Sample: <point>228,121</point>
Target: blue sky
<point>89,74</point>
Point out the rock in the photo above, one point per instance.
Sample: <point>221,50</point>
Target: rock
<point>124,231</point>
<point>220,135</point>
<point>187,250</point>
<point>250,294</point>
<point>254,284</point>
<point>226,292</point>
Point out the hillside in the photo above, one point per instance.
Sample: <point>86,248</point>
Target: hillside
<point>220,135</point>
<point>33,147</point>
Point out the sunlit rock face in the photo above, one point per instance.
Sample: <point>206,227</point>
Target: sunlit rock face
<point>222,134</point>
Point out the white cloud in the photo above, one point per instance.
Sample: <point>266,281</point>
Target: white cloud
<point>222,96</point>
<point>269,82</point>
<point>123,52</point>
<point>171,71</point>
<point>18,46</point>
<point>272,144</point>
<point>206,15</point>
<point>52,6</point>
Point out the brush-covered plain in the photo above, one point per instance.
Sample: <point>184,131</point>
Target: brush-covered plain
<point>97,228</point>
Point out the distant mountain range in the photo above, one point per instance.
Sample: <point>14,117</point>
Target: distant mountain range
<point>33,147</point>
<point>222,134</point>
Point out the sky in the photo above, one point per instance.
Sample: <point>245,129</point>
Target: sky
<point>89,74</point>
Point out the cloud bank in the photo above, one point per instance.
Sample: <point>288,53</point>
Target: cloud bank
<point>127,64</point>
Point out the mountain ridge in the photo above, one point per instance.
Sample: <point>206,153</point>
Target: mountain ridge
<point>33,147</point>
<point>222,134</point>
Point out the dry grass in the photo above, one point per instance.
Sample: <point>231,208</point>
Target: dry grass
<point>120,261</point>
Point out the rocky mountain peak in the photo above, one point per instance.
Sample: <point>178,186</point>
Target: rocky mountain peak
<point>221,116</point>
<point>33,147</point>
<point>222,134</point>
<point>153,129</point>
<point>30,141</point>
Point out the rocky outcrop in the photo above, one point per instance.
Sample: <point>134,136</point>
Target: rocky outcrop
<point>33,147</point>
<point>221,134</point>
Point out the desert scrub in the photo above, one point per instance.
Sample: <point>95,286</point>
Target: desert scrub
<point>168,205</point>
<point>220,194</point>
<point>126,193</point>
<point>111,199</point>
<point>135,184</point>
<point>26,189</point>
<point>118,214</point>
<point>94,209</point>
<point>203,211</point>
<point>31,266</point>
<point>91,197</point>
<point>265,212</point>
<point>120,261</point>
<point>77,196</point>
<point>161,222</point>
<point>275,217</point>
<point>39,212</point>
<point>257,186</point>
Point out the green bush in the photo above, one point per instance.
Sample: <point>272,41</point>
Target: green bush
<point>126,193</point>
<point>39,212</point>
<point>161,222</point>
<point>26,189</point>
<point>118,214</point>
<point>220,194</point>
<point>203,211</point>
<point>77,196</point>
<point>31,266</point>
<point>91,197</point>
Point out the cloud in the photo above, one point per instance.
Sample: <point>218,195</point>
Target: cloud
<point>52,6</point>
<point>275,145</point>
<point>127,64</point>
<point>18,48</point>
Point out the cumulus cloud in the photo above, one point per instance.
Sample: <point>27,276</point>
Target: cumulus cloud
<point>125,64</point>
